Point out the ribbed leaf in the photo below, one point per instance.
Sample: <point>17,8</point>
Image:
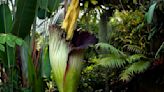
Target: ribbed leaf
<point>5,19</point>
<point>134,48</point>
<point>43,4</point>
<point>136,67</point>
<point>2,48</point>
<point>53,5</point>
<point>24,18</point>
<point>150,13</point>
<point>112,49</point>
<point>112,61</point>
<point>10,40</point>
<point>135,57</point>
<point>3,38</point>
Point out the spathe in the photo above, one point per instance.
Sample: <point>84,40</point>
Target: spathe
<point>66,56</point>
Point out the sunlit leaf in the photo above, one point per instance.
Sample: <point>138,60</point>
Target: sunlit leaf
<point>112,61</point>
<point>135,57</point>
<point>94,2</point>
<point>5,19</point>
<point>151,13</point>
<point>2,48</point>
<point>43,4</point>
<point>86,4</point>
<point>19,41</point>
<point>2,38</point>
<point>137,67</point>
<point>25,14</point>
<point>10,40</point>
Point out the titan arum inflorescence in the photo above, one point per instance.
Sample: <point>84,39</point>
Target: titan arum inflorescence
<point>66,49</point>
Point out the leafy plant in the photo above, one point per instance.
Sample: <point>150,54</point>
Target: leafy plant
<point>130,65</point>
<point>10,40</point>
<point>150,13</point>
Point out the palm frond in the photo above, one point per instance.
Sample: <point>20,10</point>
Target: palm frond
<point>112,61</point>
<point>112,49</point>
<point>137,67</point>
<point>135,57</point>
<point>134,48</point>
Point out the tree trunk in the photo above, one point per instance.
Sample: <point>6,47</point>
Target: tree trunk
<point>103,28</point>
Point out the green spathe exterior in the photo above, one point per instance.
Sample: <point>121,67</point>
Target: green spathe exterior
<point>66,59</point>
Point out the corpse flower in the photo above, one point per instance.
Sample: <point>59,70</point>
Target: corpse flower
<point>66,56</point>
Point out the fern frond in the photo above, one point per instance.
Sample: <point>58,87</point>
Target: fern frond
<point>112,49</point>
<point>133,48</point>
<point>159,50</point>
<point>137,67</point>
<point>135,57</point>
<point>112,61</point>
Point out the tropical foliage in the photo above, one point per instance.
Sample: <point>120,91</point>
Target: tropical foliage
<point>81,45</point>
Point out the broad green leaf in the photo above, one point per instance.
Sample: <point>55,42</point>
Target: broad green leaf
<point>25,14</point>
<point>43,4</point>
<point>86,4</point>
<point>53,5</point>
<point>10,40</point>
<point>2,48</point>
<point>19,41</point>
<point>94,2</point>
<point>5,19</point>
<point>2,38</point>
<point>150,13</point>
